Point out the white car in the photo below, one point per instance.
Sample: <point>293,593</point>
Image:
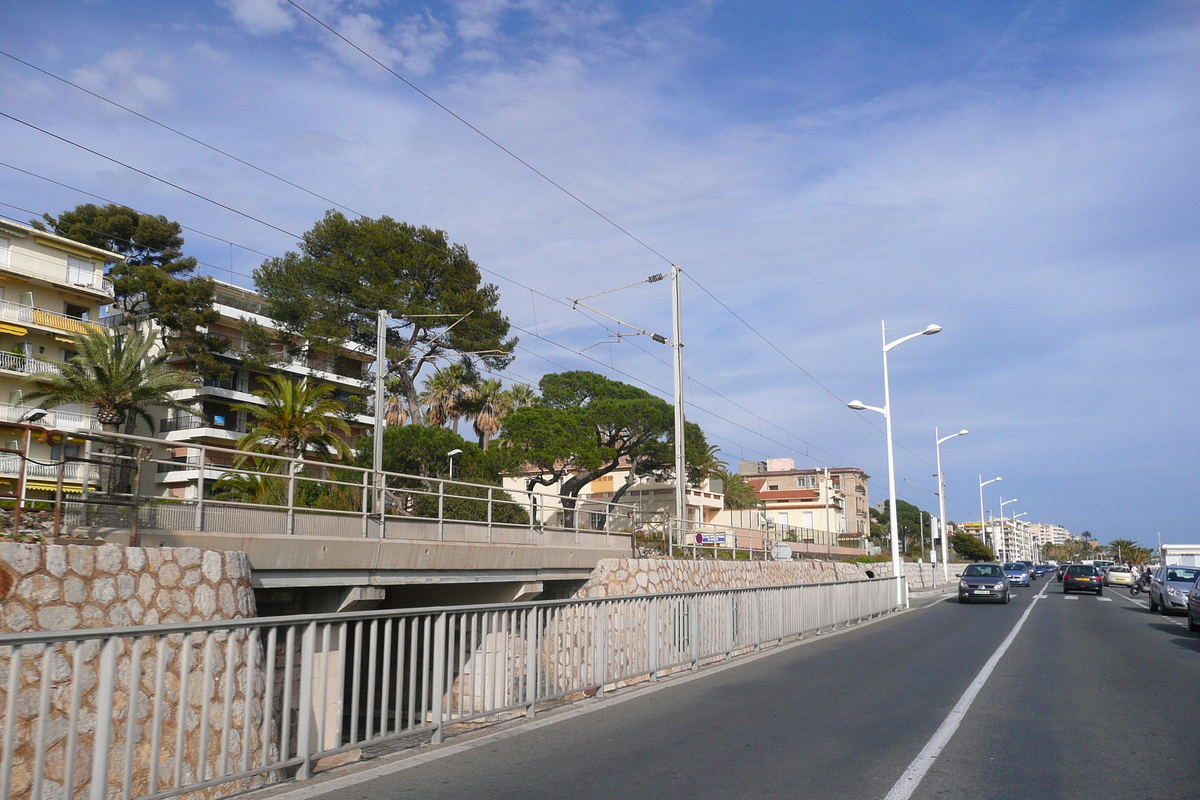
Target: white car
<point>1118,576</point>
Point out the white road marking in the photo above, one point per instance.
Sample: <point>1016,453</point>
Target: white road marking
<point>1070,597</point>
<point>912,776</point>
<point>1174,620</point>
<point>1104,599</point>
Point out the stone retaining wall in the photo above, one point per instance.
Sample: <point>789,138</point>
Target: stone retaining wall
<point>614,577</point>
<point>52,587</point>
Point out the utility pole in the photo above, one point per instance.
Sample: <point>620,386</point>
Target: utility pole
<point>677,335</point>
<point>377,436</point>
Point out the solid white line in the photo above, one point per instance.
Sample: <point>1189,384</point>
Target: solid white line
<point>912,776</point>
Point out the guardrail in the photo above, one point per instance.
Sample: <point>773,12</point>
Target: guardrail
<point>163,710</point>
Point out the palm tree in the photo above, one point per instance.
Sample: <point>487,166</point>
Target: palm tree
<point>1123,550</point>
<point>446,393</point>
<point>297,416</point>
<point>739,493</point>
<point>115,374</point>
<point>489,404</point>
<point>521,395</point>
<point>395,409</point>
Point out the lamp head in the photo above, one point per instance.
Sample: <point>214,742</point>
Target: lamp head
<point>34,416</point>
<point>963,432</point>
<point>932,329</point>
<point>456,451</point>
<point>857,405</point>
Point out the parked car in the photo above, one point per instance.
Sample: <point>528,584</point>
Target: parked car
<point>983,582</point>
<point>1017,573</point>
<point>1082,577</point>
<point>1169,588</point>
<point>1193,607</point>
<point>1119,576</point>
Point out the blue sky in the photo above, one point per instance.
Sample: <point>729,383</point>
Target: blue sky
<point>1023,174</point>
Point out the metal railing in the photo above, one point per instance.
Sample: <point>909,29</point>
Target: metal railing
<point>58,272</point>
<point>162,710</point>
<point>72,471</point>
<point>63,420</point>
<point>27,364</point>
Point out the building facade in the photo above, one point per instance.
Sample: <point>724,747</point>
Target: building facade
<point>51,287</point>
<point>217,425</point>
<point>835,499</point>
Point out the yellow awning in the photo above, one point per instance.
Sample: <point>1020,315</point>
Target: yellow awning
<point>64,339</point>
<point>16,330</point>
<point>50,486</point>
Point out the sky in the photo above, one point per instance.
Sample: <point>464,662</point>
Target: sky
<point>1024,174</point>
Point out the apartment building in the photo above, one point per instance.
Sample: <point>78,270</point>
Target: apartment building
<point>833,499</point>
<point>50,288</point>
<point>216,424</point>
<point>1044,534</point>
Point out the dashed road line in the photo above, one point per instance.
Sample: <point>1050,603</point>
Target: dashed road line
<point>1104,599</point>
<point>908,782</point>
<point>1070,597</point>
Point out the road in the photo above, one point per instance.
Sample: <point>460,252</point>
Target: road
<point>1093,697</point>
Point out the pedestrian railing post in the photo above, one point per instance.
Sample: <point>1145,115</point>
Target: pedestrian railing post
<point>308,647</point>
<point>441,511</point>
<point>601,649</point>
<point>532,682</point>
<point>199,525</point>
<point>102,739</point>
<point>654,638</point>
<point>438,701</point>
<point>489,517</point>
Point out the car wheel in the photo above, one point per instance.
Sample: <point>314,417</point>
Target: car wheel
<point>1005,601</point>
<point>962,598</point>
<point>1099,592</point>
<point>1153,605</point>
<point>1193,626</point>
<point>1164,609</point>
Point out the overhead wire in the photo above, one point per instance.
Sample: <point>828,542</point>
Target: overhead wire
<point>449,111</point>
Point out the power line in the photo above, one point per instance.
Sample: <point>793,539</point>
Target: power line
<point>178,132</point>
<point>149,175</point>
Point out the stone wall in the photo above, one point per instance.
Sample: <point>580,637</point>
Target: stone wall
<point>51,588</point>
<point>614,577</point>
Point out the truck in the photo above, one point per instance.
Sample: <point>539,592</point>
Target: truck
<point>1183,555</point>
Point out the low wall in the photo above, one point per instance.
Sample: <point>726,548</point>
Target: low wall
<point>614,577</point>
<point>53,588</point>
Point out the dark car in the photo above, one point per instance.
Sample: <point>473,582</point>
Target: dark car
<point>1193,607</point>
<point>1062,570</point>
<point>1032,569</point>
<point>982,582</point>
<point>1082,577</point>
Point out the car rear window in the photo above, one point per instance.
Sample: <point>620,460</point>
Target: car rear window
<point>1117,569</point>
<point>1014,566</point>
<point>1081,569</point>
<point>982,571</point>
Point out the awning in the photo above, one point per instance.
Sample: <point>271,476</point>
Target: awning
<point>64,339</point>
<point>16,330</point>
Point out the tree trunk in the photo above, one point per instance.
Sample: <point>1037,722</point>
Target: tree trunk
<point>409,387</point>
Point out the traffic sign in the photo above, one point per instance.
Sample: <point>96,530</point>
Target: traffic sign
<point>782,551</point>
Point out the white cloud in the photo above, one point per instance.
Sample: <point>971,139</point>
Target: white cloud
<point>127,76</point>
<point>261,16</point>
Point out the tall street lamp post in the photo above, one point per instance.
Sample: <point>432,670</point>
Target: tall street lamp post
<point>1003,539</point>
<point>942,497</point>
<point>982,529</point>
<point>1026,541</point>
<point>858,405</point>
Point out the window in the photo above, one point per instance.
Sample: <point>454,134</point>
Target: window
<point>78,312</point>
<point>774,487</point>
<point>79,271</point>
<point>3,252</point>
<point>27,299</point>
<point>56,452</point>
<point>16,397</point>
<point>808,519</point>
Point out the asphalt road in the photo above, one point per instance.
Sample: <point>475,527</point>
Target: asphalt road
<point>1093,698</point>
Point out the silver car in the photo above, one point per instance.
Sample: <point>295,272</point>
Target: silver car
<point>1169,588</point>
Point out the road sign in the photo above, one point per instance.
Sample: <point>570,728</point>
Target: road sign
<point>782,551</point>
<point>699,538</point>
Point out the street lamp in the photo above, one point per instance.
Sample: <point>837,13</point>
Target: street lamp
<point>858,405</point>
<point>942,499</point>
<point>456,451</point>
<point>1003,539</point>
<point>983,530</point>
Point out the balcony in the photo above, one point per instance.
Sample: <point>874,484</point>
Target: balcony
<point>189,423</point>
<point>59,420</point>
<point>57,272</point>
<point>31,315</point>
<point>72,472</point>
<point>27,365</point>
